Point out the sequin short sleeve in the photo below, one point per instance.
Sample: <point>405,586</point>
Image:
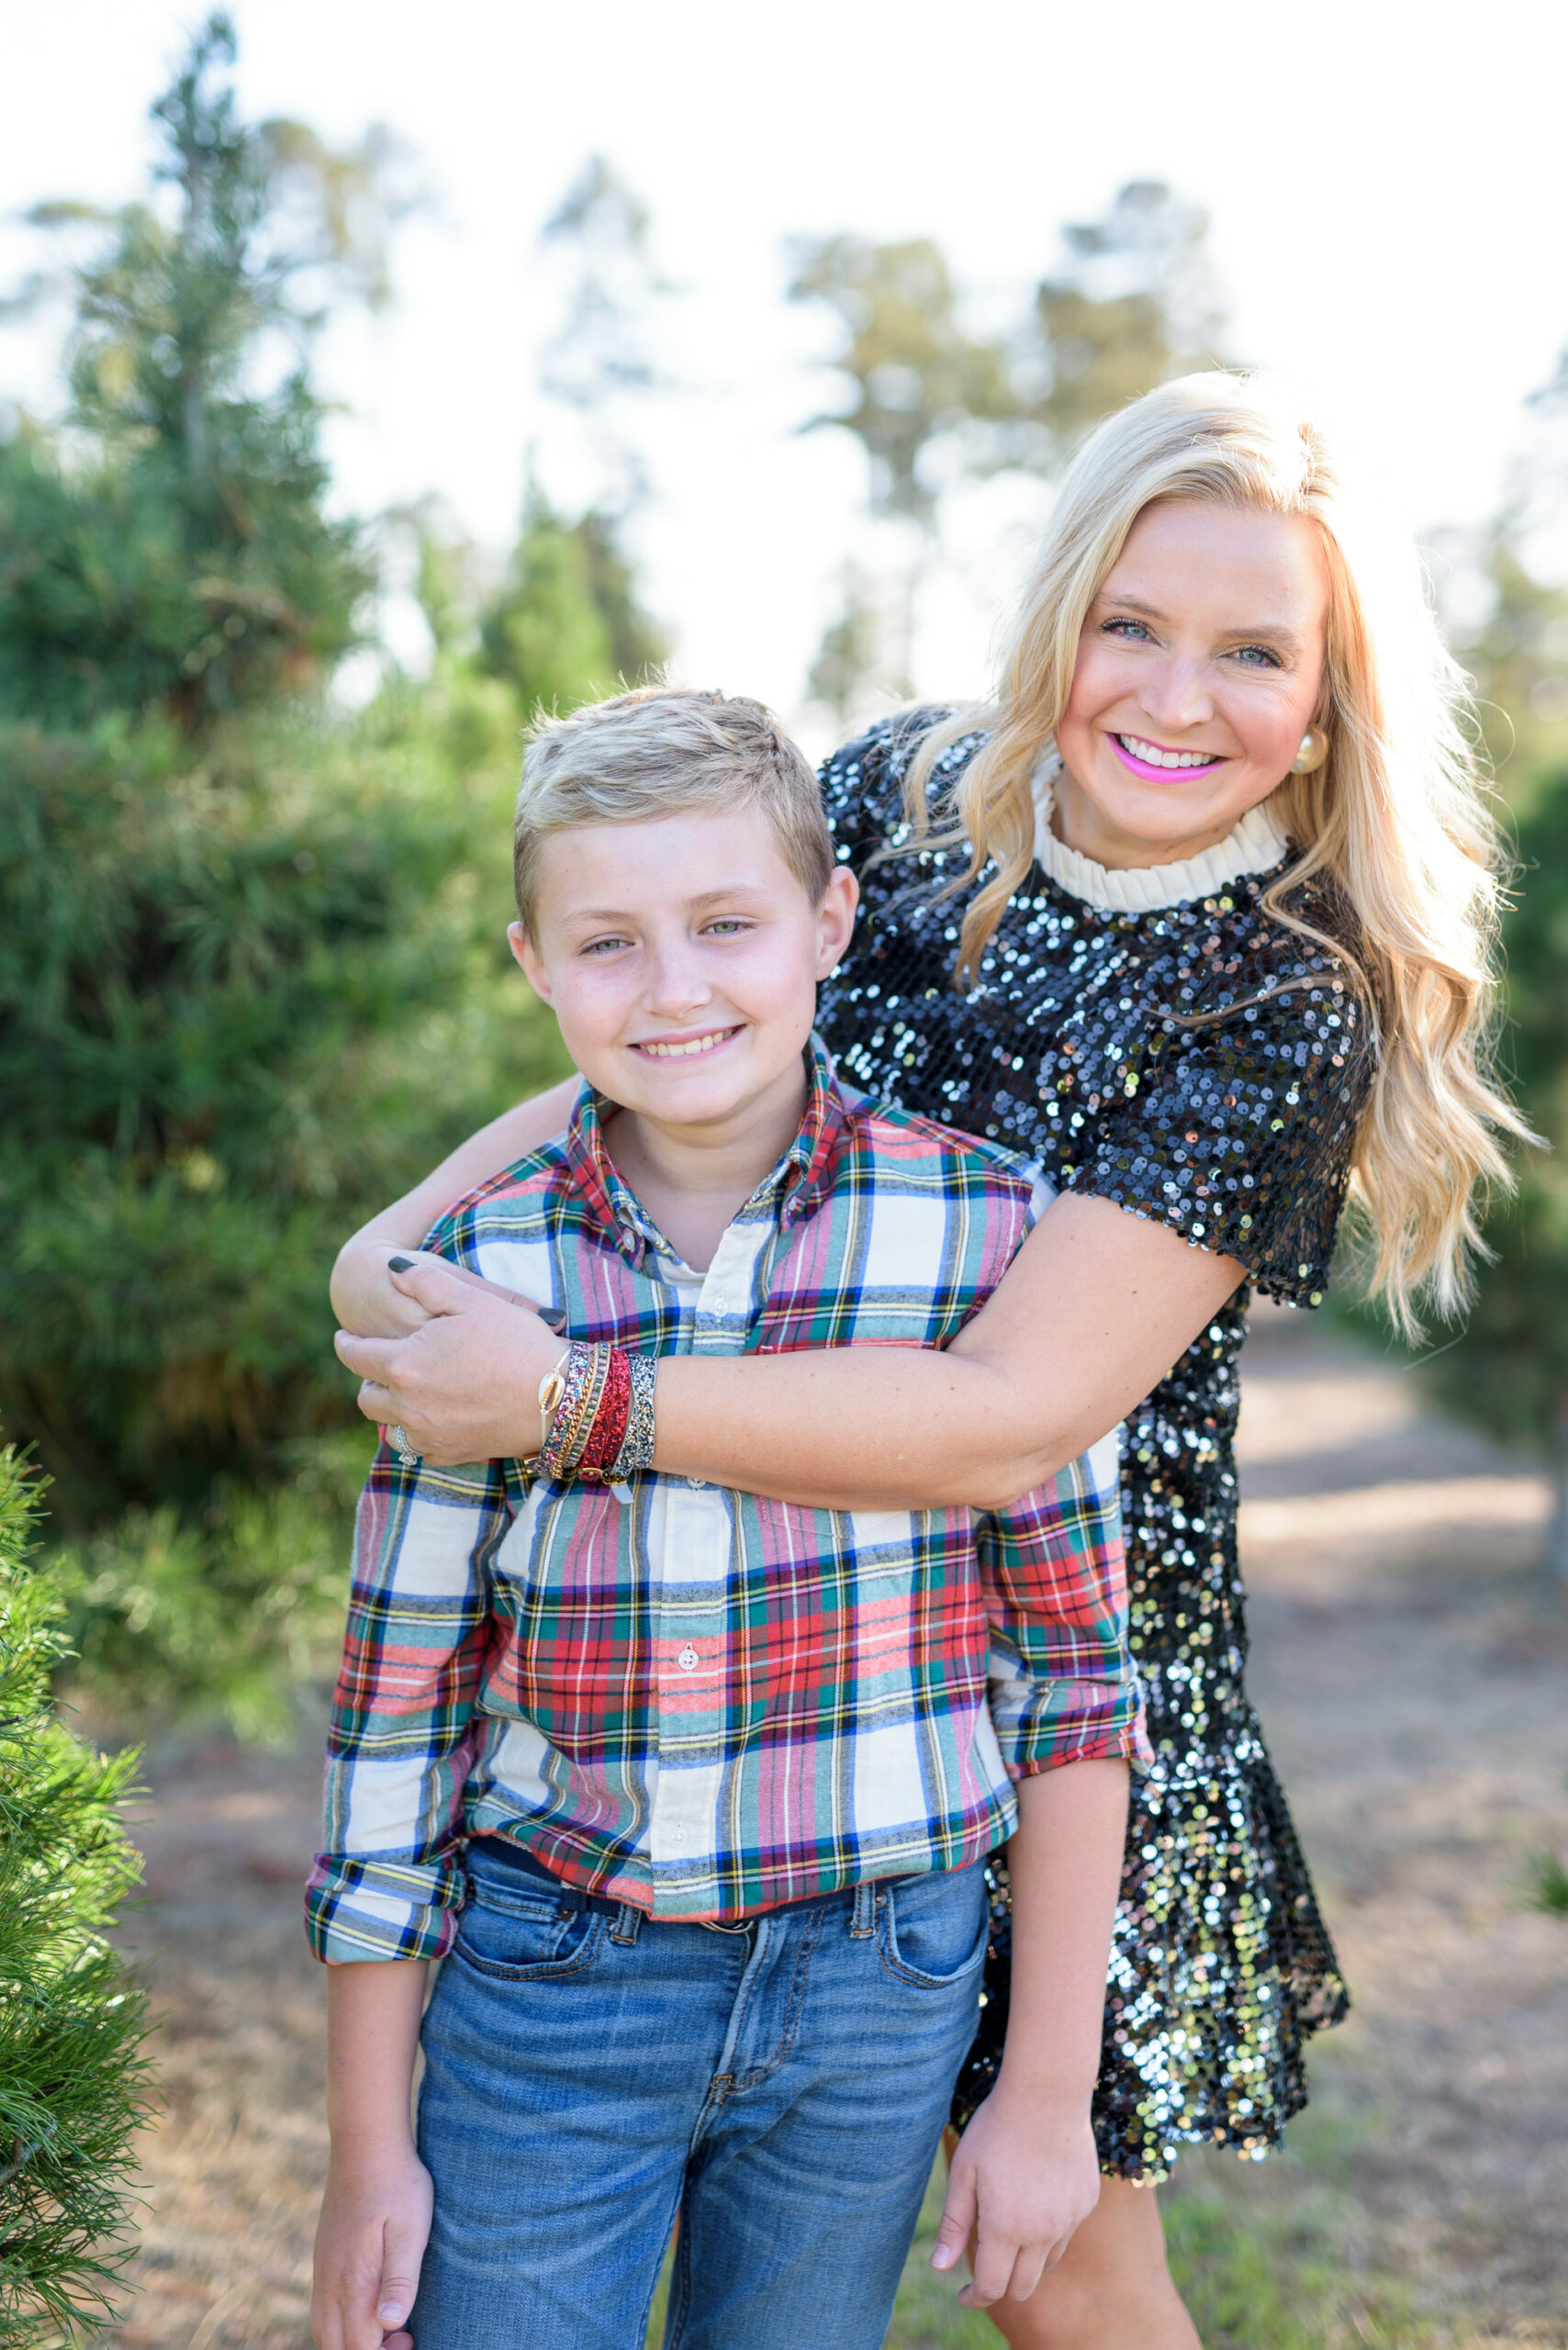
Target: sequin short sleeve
<point>1237,1131</point>
<point>862,789</point>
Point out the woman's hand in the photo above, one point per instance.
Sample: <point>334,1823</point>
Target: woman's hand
<point>380,1308</point>
<point>464,1384</point>
<point>365,1298</point>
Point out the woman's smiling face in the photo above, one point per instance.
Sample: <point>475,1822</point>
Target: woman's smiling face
<point>1199,670</point>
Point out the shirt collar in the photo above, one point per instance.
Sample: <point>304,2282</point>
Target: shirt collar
<point>802,1177</point>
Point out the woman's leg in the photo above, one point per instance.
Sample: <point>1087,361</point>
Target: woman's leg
<point>1110,2291</point>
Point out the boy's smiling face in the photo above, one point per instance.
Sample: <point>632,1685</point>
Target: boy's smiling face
<point>681,959</point>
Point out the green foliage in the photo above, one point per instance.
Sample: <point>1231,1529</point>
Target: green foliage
<point>849,651</point>
<point>236,1609</point>
<point>253,974</point>
<point>1132,307</point>
<point>916,373</point>
<point>567,623</point>
<point>242,997</point>
<point>172,554</point>
<point>1518,658</point>
<point>1508,1368</point>
<point>1266,2281</point>
<point>72,2019</point>
<point>1549,1884</point>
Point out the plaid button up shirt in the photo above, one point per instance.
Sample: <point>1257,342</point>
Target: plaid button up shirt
<point>706,1703</point>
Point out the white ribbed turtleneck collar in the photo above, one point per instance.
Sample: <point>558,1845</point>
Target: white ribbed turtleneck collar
<point>1255,846</point>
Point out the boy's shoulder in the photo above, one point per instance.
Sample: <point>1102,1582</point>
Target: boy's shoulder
<point>520,1202</point>
<point>894,1138</point>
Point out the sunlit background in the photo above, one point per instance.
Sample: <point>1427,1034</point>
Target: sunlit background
<point>1383,187</point>
<point>414,367</point>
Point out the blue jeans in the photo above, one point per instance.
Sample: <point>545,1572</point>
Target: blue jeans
<point>589,2074</point>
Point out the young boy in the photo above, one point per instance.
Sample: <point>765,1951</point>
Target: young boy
<point>692,1790</point>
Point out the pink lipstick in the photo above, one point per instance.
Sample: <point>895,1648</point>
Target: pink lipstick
<point>1151,774</point>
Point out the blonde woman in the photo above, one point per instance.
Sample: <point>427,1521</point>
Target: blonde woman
<point>1198,912</point>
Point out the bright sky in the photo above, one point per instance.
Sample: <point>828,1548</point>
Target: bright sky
<point>1385,180</point>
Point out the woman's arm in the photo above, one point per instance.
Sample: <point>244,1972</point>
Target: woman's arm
<point>1090,1315</point>
<point>363,1299</point>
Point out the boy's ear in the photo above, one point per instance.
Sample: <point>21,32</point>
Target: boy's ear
<point>525,954</point>
<point>835,919</point>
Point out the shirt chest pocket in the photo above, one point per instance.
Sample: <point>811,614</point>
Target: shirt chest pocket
<point>557,1530</point>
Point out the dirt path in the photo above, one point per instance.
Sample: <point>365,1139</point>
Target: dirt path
<point>1412,1669</point>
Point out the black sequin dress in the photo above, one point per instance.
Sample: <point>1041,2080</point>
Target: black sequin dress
<point>1079,1048</point>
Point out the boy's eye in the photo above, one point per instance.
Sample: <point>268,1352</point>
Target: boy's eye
<point>728,927</point>
<point>604,945</point>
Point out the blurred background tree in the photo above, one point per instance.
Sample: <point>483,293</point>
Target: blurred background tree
<point>933,397</point>
<point>253,962</point>
<point>1133,304</point>
<point>170,552</point>
<point>1505,1369</point>
<point>917,379</point>
<point>1508,1373</point>
<point>602,357</point>
<point>567,621</point>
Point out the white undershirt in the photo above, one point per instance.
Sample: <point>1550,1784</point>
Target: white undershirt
<point>1256,843</point>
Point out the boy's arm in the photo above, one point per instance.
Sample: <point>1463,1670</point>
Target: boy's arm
<point>376,2213</point>
<point>1026,2172</point>
<point>382,1896</point>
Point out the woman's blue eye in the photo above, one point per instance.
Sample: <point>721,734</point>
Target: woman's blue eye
<point>1254,653</point>
<point>1115,627</point>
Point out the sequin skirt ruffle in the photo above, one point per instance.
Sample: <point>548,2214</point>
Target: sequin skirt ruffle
<point>1221,1967</point>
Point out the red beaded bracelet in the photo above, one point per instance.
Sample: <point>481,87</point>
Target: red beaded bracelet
<point>608,1434</point>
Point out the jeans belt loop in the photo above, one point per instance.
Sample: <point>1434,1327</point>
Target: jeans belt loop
<point>627,1926</point>
<point>863,1915</point>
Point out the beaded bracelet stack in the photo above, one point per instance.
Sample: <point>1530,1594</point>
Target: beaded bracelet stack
<point>598,1412</point>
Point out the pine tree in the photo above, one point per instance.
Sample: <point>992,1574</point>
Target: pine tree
<point>566,622</point>
<point>179,559</point>
<point>72,2017</point>
<point>253,961</point>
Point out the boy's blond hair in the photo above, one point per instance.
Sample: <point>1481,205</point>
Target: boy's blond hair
<point>662,751</point>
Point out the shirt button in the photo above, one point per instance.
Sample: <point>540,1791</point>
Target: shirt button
<point>698,1484</point>
<point>677,1835</point>
<point>688,1659</point>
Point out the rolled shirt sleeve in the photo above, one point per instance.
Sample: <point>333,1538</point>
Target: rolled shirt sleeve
<point>1061,1681</point>
<point>404,1725</point>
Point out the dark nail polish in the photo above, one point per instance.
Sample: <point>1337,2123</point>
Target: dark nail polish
<point>401,1264</point>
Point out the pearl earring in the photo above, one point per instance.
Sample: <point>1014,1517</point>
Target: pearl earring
<point>1313,752</point>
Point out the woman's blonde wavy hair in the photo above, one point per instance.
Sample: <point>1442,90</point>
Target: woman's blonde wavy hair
<point>1395,824</point>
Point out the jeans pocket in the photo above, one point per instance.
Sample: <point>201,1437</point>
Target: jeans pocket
<point>933,1929</point>
<point>518,1937</point>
